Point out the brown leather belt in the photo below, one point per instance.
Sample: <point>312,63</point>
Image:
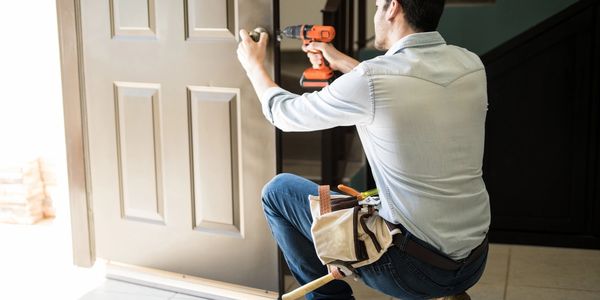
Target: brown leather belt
<point>426,255</point>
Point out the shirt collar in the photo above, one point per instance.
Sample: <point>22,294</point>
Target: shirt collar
<point>419,39</point>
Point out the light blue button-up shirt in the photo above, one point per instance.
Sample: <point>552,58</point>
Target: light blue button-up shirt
<point>420,113</point>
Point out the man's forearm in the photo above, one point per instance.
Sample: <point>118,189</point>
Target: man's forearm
<point>347,64</point>
<point>261,80</point>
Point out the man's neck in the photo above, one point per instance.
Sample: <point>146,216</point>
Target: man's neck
<point>397,33</point>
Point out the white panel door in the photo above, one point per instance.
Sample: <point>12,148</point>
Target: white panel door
<point>178,147</point>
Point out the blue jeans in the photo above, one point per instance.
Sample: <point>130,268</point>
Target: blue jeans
<point>286,207</point>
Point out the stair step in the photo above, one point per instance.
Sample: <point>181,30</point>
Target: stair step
<point>301,145</point>
<point>311,169</point>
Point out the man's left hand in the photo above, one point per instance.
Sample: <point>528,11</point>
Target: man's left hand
<point>250,54</point>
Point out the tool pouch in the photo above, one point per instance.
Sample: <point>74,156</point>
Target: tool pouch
<point>351,236</point>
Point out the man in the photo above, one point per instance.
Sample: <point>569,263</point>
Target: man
<point>420,112</point>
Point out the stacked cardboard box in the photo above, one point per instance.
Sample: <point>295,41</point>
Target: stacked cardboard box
<point>23,192</point>
<point>50,186</point>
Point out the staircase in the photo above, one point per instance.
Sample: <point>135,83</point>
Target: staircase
<point>541,161</point>
<point>302,151</point>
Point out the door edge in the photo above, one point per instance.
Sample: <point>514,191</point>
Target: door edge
<point>71,61</point>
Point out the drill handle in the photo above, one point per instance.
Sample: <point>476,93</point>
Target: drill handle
<point>323,63</point>
<point>314,66</point>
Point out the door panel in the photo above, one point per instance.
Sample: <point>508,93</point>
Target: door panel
<point>179,149</point>
<point>210,19</point>
<point>138,154</point>
<point>215,142</point>
<point>133,18</point>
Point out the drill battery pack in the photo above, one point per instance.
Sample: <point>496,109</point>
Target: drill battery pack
<point>316,78</point>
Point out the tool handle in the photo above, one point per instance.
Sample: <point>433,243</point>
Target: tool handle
<point>348,190</point>
<point>370,193</point>
<point>309,287</point>
<point>322,64</point>
<point>352,192</point>
<point>316,66</point>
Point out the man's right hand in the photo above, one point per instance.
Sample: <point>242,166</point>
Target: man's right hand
<point>337,60</point>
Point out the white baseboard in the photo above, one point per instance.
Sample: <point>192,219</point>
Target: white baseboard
<point>185,284</point>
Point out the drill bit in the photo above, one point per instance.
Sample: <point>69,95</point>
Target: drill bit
<point>292,32</point>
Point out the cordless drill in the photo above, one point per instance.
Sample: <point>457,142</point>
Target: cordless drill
<point>317,76</point>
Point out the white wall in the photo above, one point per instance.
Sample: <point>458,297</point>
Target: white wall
<point>31,115</point>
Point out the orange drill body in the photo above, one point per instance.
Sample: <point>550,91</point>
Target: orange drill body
<point>317,76</point>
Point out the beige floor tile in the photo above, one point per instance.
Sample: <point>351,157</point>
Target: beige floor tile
<point>363,292</point>
<point>108,295</point>
<point>118,290</point>
<point>487,291</point>
<point>534,293</point>
<point>496,267</point>
<point>36,262</point>
<point>186,297</point>
<point>554,268</point>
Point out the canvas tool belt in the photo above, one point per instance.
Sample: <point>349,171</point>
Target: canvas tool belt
<point>348,235</point>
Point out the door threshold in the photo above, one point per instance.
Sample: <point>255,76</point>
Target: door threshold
<point>184,284</point>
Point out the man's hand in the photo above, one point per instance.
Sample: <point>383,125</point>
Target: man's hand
<point>252,57</point>
<point>250,54</point>
<point>337,60</point>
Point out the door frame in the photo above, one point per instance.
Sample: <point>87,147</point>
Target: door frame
<point>74,106</point>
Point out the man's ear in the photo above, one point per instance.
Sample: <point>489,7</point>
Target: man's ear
<point>394,10</point>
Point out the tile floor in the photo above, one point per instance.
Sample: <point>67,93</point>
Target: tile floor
<point>36,263</point>
<point>118,290</point>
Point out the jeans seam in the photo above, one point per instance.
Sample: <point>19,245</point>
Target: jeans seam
<point>424,276</point>
<point>399,283</point>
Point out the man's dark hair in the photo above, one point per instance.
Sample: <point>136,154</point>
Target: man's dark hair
<point>421,15</point>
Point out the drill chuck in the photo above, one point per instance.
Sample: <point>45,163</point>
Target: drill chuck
<point>293,32</point>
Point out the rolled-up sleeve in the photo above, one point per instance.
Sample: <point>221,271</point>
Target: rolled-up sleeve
<point>347,101</point>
